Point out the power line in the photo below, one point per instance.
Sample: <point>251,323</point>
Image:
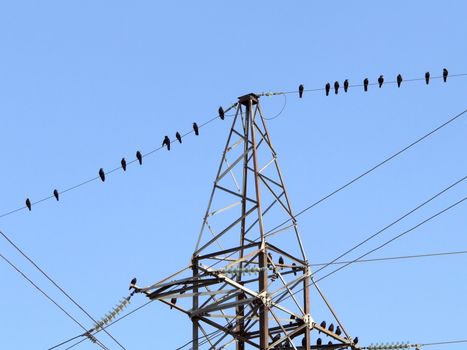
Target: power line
<point>388,159</point>
<point>49,297</point>
<point>56,285</point>
<point>421,205</point>
<point>359,85</point>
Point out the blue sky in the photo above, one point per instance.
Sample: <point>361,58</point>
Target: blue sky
<point>85,83</point>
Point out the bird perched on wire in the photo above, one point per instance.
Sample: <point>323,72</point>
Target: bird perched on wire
<point>139,156</point>
<point>166,142</point>
<point>338,330</point>
<point>331,327</point>
<point>123,163</point>
<point>365,84</point>
<point>445,74</point>
<point>380,80</point>
<point>102,174</point>
<point>294,269</point>
<point>323,325</point>
<point>346,85</point>
<point>300,90</point>
<point>28,204</point>
<point>56,194</point>
<point>132,283</point>
<point>327,88</point>
<point>427,78</point>
<point>196,129</point>
<point>319,342</point>
<point>281,261</point>
<point>399,80</point>
<point>221,113</point>
<point>355,341</point>
<point>178,137</point>
<point>336,87</point>
<point>173,301</point>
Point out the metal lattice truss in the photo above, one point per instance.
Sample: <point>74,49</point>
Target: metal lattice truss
<point>241,289</point>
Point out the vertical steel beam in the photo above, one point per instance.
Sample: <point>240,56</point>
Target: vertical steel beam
<point>195,304</point>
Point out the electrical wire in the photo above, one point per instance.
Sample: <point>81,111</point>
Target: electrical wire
<point>419,206</point>
<point>49,298</point>
<point>373,168</point>
<point>271,94</point>
<point>55,284</point>
<point>112,170</point>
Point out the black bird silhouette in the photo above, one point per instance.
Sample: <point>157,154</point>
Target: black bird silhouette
<point>102,174</point>
<point>166,142</point>
<point>221,113</point>
<point>28,203</point>
<point>338,330</point>
<point>323,324</point>
<point>173,301</point>
<point>300,90</point>
<point>427,78</point>
<point>303,342</point>
<point>196,129</point>
<point>355,341</point>
<point>365,84</point>
<point>132,283</point>
<point>56,194</point>
<point>346,85</point>
<point>294,269</point>
<point>380,80</point>
<point>445,74</point>
<point>399,80</point>
<point>139,156</point>
<point>178,137</point>
<point>336,87</point>
<point>319,341</point>
<point>281,261</point>
<point>327,88</point>
<point>331,328</point>
<point>329,342</point>
<point>292,318</point>
<point>123,163</point>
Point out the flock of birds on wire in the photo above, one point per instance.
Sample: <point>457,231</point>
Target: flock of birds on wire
<point>366,82</point>
<point>167,142</point>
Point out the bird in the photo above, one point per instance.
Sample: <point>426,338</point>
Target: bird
<point>323,324</point>
<point>294,269</point>
<point>270,259</point>
<point>292,318</point>
<point>445,74</point>
<point>300,90</point>
<point>427,78</point>
<point>173,301</point>
<point>123,163</point>
<point>355,341</point>
<point>319,341</point>
<point>102,174</point>
<point>336,87</point>
<point>56,194</point>
<point>329,342</point>
<point>399,80</point>
<point>380,80</point>
<point>338,330</point>
<point>365,84</point>
<point>331,327</point>
<point>166,142</point>
<point>139,156</point>
<point>196,129</point>
<point>303,342</point>
<point>221,113</point>
<point>281,261</point>
<point>327,88</point>
<point>178,137</point>
<point>346,85</point>
<point>132,283</point>
<point>28,203</point>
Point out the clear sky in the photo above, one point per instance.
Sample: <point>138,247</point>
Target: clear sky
<point>84,83</point>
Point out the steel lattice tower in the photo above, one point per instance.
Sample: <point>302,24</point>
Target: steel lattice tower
<point>242,287</point>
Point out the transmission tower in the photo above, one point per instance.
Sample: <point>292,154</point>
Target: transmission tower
<point>242,288</point>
